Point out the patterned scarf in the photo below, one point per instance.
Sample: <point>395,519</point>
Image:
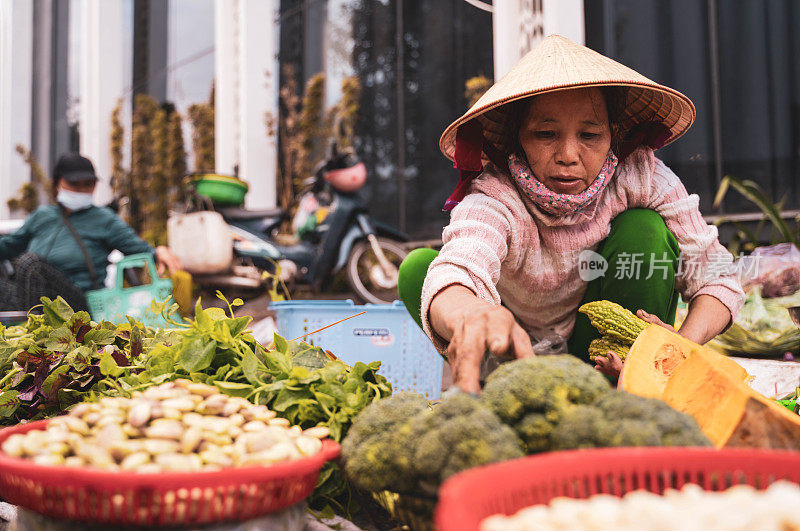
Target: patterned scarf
<point>553,202</point>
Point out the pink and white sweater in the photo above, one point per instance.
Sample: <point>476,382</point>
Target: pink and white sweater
<point>505,249</point>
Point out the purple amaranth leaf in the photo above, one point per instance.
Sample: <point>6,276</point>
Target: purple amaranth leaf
<point>17,379</point>
<point>81,333</point>
<point>120,358</point>
<point>77,324</point>
<point>136,344</point>
<point>84,376</point>
<point>57,361</point>
<point>40,375</point>
<point>86,383</point>
<point>60,381</point>
<point>28,394</point>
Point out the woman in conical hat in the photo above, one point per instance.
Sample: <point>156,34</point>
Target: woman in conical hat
<point>562,201</point>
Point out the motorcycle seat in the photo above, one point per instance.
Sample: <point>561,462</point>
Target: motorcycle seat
<point>233,213</point>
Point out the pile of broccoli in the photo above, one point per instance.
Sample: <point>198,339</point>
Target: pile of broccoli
<point>375,451</point>
<point>458,434</point>
<point>403,444</point>
<point>622,419</point>
<point>532,395</point>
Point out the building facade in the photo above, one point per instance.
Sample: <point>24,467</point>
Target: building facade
<point>67,62</point>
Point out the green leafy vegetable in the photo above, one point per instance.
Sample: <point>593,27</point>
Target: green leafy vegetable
<point>55,359</point>
<point>61,357</point>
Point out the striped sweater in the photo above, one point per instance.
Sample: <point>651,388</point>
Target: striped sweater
<point>505,249</point>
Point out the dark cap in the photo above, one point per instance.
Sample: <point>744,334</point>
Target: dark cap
<point>73,167</point>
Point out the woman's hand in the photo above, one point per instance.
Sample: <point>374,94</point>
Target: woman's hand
<point>473,328</point>
<point>610,365</point>
<point>653,319</point>
<point>167,260</point>
<point>706,318</point>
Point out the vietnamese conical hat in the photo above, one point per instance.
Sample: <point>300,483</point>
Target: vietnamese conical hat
<point>557,63</point>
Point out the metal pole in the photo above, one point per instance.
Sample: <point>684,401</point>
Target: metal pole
<point>401,118</point>
<point>716,105</point>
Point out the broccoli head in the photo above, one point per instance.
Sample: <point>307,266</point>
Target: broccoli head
<point>375,451</point>
<point>532,395</point>
<point>623,419</point>
<point>457,434</point>
<point>402,445</point>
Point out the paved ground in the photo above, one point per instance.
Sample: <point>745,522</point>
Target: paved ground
<point>295,517</point>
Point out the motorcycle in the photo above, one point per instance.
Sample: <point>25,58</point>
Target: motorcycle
<point>334,232</point>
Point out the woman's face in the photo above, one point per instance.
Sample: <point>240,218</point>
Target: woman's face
<point>566,136</point>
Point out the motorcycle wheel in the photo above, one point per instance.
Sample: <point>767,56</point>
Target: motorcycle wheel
<point>365,275</point>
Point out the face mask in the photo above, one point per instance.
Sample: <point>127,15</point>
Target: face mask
<point>74,200</point>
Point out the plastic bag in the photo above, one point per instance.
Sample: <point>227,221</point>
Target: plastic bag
<point>304,220</point>
<point>202,241</point>
<point>776,268</point>
<point>762,327</point>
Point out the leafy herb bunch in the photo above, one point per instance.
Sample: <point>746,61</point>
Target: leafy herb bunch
<point>54,360</point>
<point>301,382</point>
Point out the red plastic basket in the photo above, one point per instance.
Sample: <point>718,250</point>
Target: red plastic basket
<point>505,488</point>
<point>163,499</point>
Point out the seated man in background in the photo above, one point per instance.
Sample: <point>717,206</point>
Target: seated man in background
<point>63,249</point>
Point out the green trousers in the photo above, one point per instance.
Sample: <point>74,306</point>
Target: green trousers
<point>642,257</point>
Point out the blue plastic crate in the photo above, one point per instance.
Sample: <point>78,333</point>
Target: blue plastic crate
<point>386,333</point>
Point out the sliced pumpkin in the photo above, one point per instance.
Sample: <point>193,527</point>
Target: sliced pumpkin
<point>727,410</point>
<point>656,355</point>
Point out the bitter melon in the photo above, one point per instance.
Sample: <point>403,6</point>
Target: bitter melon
<point>614,321</point>
<point>601,346</point>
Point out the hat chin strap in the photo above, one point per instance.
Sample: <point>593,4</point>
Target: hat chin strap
<point>470,146</point>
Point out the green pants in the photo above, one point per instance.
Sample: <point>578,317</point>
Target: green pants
<point>639,246</point>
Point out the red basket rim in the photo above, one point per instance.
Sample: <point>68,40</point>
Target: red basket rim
<point>81,476</point>
<point>460,496</point>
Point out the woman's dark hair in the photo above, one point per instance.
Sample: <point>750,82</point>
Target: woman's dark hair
<point>615,106</point>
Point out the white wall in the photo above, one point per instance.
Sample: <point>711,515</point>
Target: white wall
<point>16,77</point>
<point>519,26</point>
<point>226,80</point>
<point>103,67</point>
<point>191,55</point>
<point>246,37</point>
<point>565,18</point>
